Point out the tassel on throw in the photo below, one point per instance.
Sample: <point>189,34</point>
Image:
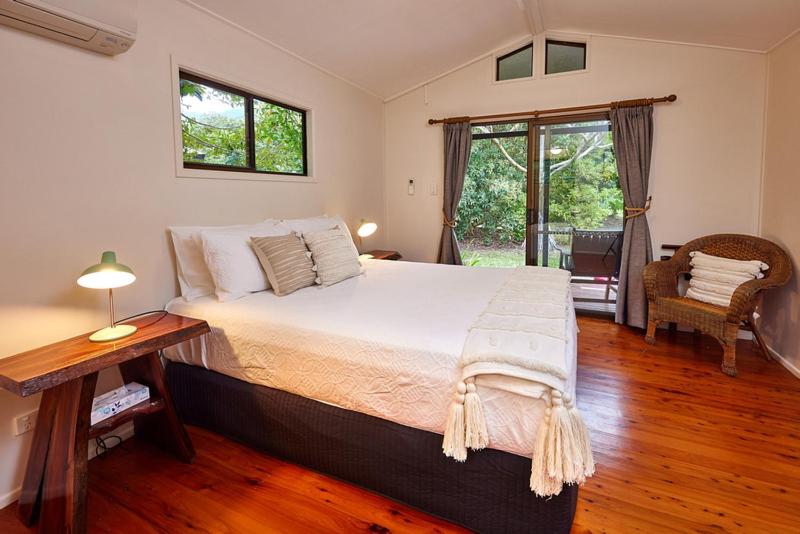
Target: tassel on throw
<point>542,484</point>
<point>582,440</point>
<point>563,453</point>
<point>477,436</point>
<point>453,444</point>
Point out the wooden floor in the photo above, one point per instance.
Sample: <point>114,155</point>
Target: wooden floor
<point>680,447</point>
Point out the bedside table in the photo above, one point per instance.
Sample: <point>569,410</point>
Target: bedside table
<point>384,254</point>
<point>54,488</point>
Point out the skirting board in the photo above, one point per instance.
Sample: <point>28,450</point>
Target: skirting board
<point>785,362</point>
<point>124,431</point>
<point>9,497</point>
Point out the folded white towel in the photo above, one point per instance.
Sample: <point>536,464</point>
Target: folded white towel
<point>707,296</point>
<point>700,259</point>
<point>718,288</point>
<point>725,277</point>
<point>715,279</point>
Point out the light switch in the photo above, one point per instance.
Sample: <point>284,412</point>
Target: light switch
<point>411,187</point>
<point>434,189</point>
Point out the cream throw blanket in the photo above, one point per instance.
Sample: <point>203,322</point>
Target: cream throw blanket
<point>522,335</point>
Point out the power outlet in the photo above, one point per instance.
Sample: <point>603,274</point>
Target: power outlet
<point>25,423</point>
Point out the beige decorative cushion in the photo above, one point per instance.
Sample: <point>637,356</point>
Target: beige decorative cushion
<point>286,261</point>
<point>333,256</point>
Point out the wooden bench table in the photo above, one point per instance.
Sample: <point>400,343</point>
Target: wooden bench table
<point>54,488</point>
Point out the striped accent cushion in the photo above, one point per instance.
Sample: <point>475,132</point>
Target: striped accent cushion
<point>286,261</point>
<point>333,255</point>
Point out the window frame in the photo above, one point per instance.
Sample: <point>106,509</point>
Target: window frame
<point>562,42</point>
<point>499,58</point>
<point>534,162</point>
<point>186,74</point>
<point>533,193</point>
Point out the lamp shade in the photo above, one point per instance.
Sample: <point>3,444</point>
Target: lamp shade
<point>366,228</point>
<point>108,274</point>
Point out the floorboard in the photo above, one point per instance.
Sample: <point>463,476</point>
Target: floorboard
<point>680,447</point>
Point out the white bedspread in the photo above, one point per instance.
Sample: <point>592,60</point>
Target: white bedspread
<point>387,343</point>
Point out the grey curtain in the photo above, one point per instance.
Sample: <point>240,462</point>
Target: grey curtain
<point>632,132</point>
<point>457,144</point>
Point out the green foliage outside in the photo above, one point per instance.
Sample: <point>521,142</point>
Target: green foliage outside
<point>492,207</point>
<point>583,191</point>
<point>219,137</point>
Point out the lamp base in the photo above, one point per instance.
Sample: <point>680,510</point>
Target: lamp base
<point>111,333</point>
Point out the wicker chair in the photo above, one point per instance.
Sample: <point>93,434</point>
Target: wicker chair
<point>665,305</point>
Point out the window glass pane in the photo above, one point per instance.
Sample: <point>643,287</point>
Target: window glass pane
<point>213,125</point>
<point>279,138</point>
<point>491,214</point>
<point>580,212</point>
<point>517,64</point>
<point>565,57</point>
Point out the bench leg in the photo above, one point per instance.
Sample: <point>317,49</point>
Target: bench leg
<point>164,428</point>
<point>54,489</point>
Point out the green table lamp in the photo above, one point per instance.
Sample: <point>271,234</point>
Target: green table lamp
<point>109,274</point>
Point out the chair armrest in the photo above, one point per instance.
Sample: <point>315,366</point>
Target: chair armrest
<point>742,298</point>
<point>661,279</point>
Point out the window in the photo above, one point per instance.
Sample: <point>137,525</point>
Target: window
<point>516,64</point>
<point>564,56</point>
<point>224,128</point>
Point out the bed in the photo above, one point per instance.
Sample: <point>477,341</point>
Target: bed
<point>355,380</point>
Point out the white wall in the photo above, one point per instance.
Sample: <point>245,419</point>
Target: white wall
<point>706,163</point>
<point>780,219</point>
<point>87,164</point>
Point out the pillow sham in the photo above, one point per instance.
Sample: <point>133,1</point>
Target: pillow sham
<point>287,262</point>
<point>194,278</point>
<point>333,255</point>
<point>233,264</point>
<point>317,224</point>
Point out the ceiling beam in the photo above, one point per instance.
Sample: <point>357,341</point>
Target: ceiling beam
<point>533,15</point>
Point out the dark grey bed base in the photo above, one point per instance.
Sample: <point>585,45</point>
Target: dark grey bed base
<point>488,493</point>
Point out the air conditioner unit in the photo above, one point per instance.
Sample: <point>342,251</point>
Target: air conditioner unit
<point>105,26</point>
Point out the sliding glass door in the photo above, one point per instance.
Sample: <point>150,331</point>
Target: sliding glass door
<point>546,192</point>
<point>578,208</point>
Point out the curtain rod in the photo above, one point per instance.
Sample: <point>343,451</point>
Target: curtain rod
<point>537,113</point>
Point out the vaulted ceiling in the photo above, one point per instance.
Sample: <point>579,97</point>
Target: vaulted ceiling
<point>746,24</point>
<point>387,46</point>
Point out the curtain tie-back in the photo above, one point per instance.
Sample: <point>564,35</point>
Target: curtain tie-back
<point>635,212</point>
<point>447,222</point>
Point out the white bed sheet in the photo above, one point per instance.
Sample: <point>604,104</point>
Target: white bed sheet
<point>386,343</point>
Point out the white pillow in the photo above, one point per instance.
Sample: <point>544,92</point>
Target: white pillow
<point>334,259</point>
<point>317,224</point>
<point>193,275</point>
<point>233,264</point>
